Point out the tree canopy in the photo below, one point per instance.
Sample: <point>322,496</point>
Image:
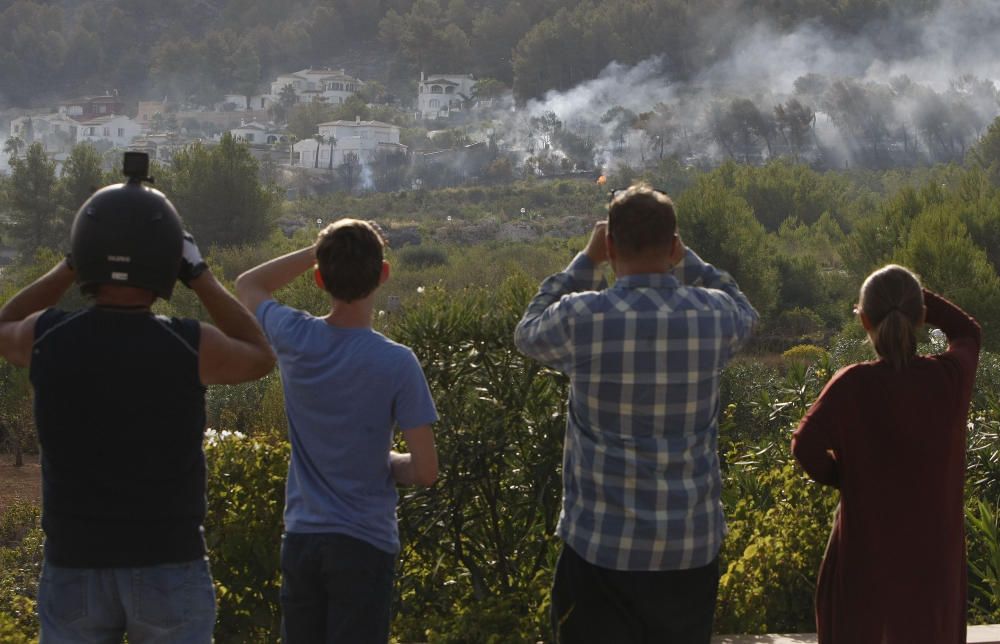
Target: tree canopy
<point>196,51</point>
<point>218,194</point>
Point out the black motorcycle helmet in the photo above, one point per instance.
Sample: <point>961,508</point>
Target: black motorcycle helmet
<point>130,235</point>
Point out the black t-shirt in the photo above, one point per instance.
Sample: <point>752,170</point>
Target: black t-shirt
<point>120,411</point>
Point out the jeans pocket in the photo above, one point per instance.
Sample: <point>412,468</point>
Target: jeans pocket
<point>62,593</point>
<point>172,594</point>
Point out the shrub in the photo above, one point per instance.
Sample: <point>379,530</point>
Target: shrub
<point>246,483</point>
<point>478,546</point>
<point>20,566</point>
<point>778,519</point>
<point>10,631</point>
<point>772,554</point>
<point>983,522</point>
<point>419,257</point>
<point>252,408</point>
<point>807,354</point>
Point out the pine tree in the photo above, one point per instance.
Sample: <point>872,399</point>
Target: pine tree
<point>219,195</point>
<point>34,210</point>
<point>82,175</point>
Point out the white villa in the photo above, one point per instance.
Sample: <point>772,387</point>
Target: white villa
<point>438,95</point>
<point>245,103</point>
<point>330,85</point>
<point>364,139</point>
<point>119,130</point>
<point>159,147</point>
<point>56,132</point>
<point>256,133</point>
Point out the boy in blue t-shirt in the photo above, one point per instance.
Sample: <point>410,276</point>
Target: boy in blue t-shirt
<point>346,387</point>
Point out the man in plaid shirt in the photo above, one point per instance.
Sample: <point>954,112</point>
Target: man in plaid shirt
<point>641,517</point>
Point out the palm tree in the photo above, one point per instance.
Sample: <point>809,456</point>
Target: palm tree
<point>319,141</point>
<point>332,140</point>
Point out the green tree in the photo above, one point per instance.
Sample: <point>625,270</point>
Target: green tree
<point>13,146</point>
<point>875,239</point>
<point>795,122</point>
<point>320,140</point>
<point>495,33</point>
<point>424,36</point>
<point>489,88</point>
<point>304,117</point>
<point>478,546</point>
<point>659,126</point>
<point>82,175</point>
<point>32,197</point>
<point>354,107</point>
<point>941,251</point>
<point>287,98</point>
<point>350,171</point>
<point>721,228</point>
<point>618,122</point>
<point>219,195</point>
<point>987,152</point>
<point>245,65</point>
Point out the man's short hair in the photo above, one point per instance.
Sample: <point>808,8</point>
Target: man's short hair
<point>641,219</point>
<point>349,254</point>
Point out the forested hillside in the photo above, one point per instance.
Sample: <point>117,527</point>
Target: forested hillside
<point>194,49</point>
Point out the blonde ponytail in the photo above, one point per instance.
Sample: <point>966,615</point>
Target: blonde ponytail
<point>893,301</point>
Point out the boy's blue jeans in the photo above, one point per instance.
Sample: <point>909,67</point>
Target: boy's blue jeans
<point>154,604</point>
<point>334,588</point>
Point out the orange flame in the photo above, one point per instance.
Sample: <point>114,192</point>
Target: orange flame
<point>601,180</point>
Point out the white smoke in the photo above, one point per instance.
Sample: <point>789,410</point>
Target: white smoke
<point>958,38</point>
<point>366,179</point>
<point>950,52</point>
<point>635,88</point>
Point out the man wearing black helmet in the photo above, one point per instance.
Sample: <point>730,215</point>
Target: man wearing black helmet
<point>120,411</point>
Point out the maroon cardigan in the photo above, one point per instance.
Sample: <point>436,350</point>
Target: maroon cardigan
<point>893,443</point>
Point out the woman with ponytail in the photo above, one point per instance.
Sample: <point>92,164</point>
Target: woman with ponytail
<point>890,435</point>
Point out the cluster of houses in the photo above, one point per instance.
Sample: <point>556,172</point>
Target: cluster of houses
<point>161,130</point>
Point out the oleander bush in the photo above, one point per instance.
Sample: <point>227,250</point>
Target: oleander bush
<point>478,547</point>
<point>246,485</point>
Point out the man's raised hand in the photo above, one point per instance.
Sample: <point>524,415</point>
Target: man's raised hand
<point>597,247</point>
<point>192,264</point>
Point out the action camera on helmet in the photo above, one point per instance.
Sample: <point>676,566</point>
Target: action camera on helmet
<point>135,166</point>
<point>128,234</point>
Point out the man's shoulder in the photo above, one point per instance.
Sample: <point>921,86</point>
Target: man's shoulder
<point>586,301</point>
<point>52,319</point>
<point>706,296</point>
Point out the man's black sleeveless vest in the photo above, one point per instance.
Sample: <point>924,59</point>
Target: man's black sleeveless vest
<point>120,411</point>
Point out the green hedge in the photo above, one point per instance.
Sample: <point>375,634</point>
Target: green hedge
<point>478,547</point>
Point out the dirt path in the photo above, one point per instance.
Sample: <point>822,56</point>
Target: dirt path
<point>19,483</point>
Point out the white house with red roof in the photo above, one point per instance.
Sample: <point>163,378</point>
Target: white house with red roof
<point>87,107</point>
<point>118,129</point>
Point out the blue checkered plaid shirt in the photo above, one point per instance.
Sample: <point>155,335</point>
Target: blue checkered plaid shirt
<point>641,478</point>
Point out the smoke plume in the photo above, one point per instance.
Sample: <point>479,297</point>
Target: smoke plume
<point>906,90</point>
